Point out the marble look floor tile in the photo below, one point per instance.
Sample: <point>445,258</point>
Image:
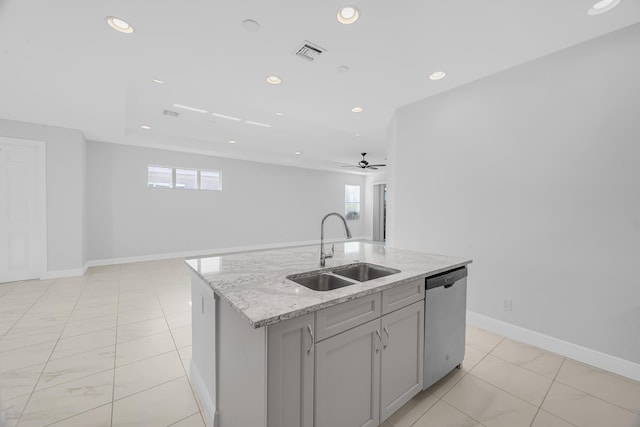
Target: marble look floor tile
<point>147,373</point>
<point>412,410</point>
<point>194,420</point>
<point>182,336</point>
<point>185,356</point>
<point>444,415</point>
<point>61,402</point>
<point>545,419</point>
<point>489,405</point>
<point>482,340</point>
<point>132,351</point>
<point>98,417</point>
<point>16,340</point>
<point>82,343</point>
<point>19,382</point>
<point>179,320</point>
<point>138,316</point>
<point>142,329</point>
<point>13,409</point>
<point>471,358</point>
<point>25,356</point>
<point>606,386</point>
<point>60,371</point>
<point>82,327</point>
<point>445,384</point>
<point>135,410</point>
<point>528,357</point>
<point>585,410</point>
<point>513,379</point>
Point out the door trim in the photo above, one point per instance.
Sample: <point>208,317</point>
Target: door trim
<point>41,164</point>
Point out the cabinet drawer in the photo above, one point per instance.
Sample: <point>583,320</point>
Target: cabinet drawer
<point>341,317</point>
<point>402,296</point>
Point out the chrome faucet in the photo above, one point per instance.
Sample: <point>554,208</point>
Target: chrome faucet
<point>324,256</point>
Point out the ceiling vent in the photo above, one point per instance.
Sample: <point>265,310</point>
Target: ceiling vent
<point>309,51</point>
<point>170,113</point>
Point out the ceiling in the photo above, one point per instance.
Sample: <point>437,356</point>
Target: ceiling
<point>60,64</point>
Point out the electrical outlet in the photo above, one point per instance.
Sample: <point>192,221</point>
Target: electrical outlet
<point>506,306</point>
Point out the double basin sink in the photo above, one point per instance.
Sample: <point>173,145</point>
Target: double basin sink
<point>333,278</point>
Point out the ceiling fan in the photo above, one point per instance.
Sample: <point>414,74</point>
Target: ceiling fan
<point>363,164</point>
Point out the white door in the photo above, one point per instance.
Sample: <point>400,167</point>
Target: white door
<point>20,210</point>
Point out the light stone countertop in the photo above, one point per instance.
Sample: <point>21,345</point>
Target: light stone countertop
<point>255,284</point>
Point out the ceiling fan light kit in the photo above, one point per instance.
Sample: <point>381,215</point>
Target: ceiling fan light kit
<point>364,164</point>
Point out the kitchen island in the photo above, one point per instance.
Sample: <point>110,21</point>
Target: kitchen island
<point>265,348</point>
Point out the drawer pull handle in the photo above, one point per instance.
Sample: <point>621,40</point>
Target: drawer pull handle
<point>380,338</point>
<point>312,339</point>
<point>386,331</point>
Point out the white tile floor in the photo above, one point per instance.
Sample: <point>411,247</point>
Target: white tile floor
<point>112,348</point>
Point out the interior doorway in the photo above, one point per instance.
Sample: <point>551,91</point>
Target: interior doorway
<point>380,212</point>
<point>22,210</point>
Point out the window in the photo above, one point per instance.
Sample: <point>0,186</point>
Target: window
<point>183,178</point>
<point>352,201</point>
<point>159,176</point>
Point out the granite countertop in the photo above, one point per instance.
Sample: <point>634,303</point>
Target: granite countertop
<point>255,284</point>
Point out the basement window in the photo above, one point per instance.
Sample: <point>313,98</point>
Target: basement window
<point>183,178</point>
<point>352,201</point>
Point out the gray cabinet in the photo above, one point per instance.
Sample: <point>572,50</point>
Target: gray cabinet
<point>290,359</point>
<point>402,357</point>
<point>348,378</point>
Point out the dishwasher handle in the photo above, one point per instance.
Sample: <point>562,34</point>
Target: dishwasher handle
<point>446,279</point>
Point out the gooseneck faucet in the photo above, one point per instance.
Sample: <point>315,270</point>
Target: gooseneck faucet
<point>324,256</point>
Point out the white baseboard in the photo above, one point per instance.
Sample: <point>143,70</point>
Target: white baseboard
<point>58,274</point>
<point>208,406</point>
<point>577,352</point>
<point>218,251</point>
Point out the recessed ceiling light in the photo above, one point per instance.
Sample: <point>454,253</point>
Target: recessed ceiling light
<point>438,75</point>
<point>231,141</point>
<point>186,107</point>
<point>145,127</point>
<point>222,116</point>
<point>119,24</point>
<point>348,14</point>
<point>279,114</point>
<point>251,25</point>
<point>160,82</point>
<point>357,109</point>
<point>257,124</point>
<point>298,153</point>
<point>273,80</point>
<point>603,6</point>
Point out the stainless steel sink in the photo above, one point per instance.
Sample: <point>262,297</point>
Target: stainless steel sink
<point>363,271</point>
<point>319,281</point>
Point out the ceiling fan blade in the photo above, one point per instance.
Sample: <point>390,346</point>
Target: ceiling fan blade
<point>376,165</point>
<point>350,166</point>
<point>372,168</point>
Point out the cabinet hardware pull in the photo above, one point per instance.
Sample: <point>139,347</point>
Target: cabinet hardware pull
<point>386,331</point>
<point>312,339</point>
<point>380,338</point>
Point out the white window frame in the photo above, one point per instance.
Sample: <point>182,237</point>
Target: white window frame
<point>173,178</point>
<point>359,202</point>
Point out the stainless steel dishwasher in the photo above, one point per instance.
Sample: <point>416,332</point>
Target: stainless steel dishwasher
<point>445,320</point>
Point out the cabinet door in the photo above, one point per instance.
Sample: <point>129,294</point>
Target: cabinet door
<point>402,357</point>
<point>290,373</point>
<point>348,378</point>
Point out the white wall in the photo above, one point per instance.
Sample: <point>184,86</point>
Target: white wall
<point>65,165</point>
<point>261,204</point>
<point>535,174</point>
